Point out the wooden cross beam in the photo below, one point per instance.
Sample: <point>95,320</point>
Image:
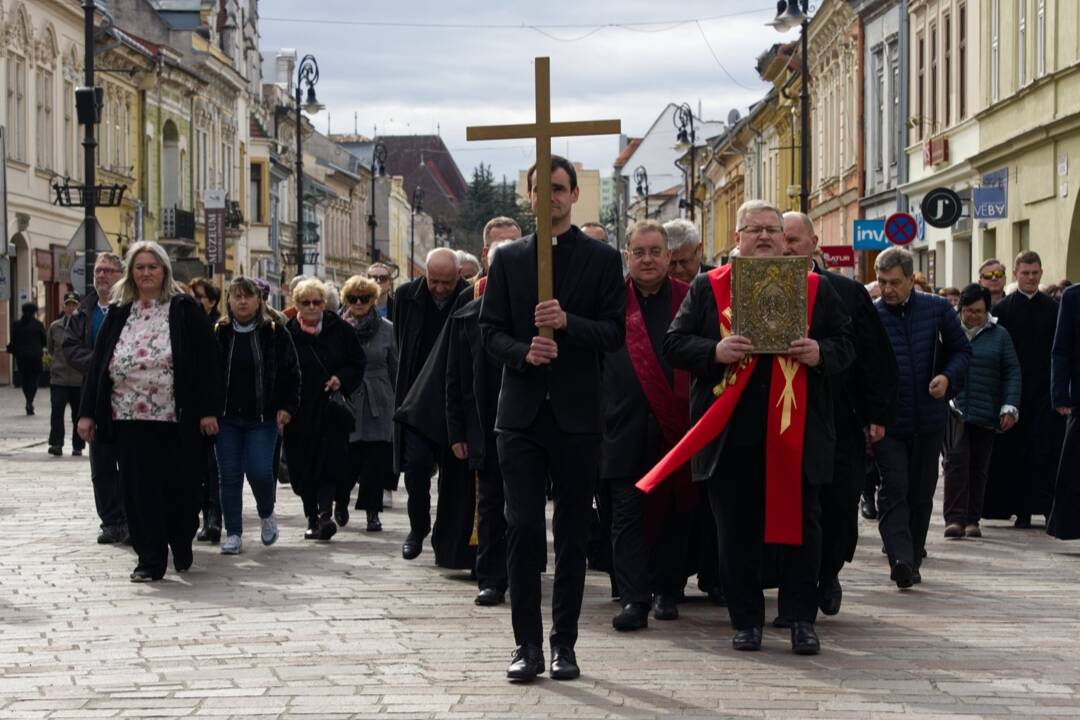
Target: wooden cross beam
<point>542,131</point>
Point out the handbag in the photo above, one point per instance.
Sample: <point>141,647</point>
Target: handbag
<point>339,409</point>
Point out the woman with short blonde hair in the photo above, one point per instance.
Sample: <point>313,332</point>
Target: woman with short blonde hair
<point>308,288</point>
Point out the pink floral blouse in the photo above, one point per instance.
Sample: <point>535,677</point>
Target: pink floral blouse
<point>142,366</point>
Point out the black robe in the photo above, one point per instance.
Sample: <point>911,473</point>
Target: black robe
<point>1025,459</point>
<point>423,409</point>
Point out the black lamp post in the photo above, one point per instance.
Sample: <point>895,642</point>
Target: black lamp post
<point>641,180</point>
<point>686,136</point>
<point>789,15</point>
<point>378,167</point>
<point>417,206</point>
<point>307,73</point>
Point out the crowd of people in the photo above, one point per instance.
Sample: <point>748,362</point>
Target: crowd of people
<point>670,448</point>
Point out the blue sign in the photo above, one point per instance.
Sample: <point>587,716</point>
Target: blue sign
<point>870,235</point>
<point>991,203</point>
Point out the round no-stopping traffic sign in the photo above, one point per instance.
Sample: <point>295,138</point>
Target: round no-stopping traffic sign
<point>900,228</point>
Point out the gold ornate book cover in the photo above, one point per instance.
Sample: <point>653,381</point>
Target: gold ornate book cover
<point>768,301</point>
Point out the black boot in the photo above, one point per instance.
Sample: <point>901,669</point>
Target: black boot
<point>373,522</point>
<point>327,527</point>
<point>204,532</point>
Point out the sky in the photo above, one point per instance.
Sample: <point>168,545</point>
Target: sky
<point>622,59</point>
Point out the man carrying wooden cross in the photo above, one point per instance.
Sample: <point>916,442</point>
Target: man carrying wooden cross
<point>550,414</point>
<point>764,435</point>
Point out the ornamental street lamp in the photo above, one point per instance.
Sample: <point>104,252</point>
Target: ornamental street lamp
<point>307,73</point>
<point>641,180</point>
<point>417,206</point>
<point>378,167</point>
<point>686,136</point>
<point>789,15</point>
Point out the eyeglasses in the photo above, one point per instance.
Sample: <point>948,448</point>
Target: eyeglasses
<point>380,278</point>
<point>107,271</point>
<point>758,229</point>
<point>993,275</point>
<point>654,252</point>
<point>310,303</point>
<point>353,299</point>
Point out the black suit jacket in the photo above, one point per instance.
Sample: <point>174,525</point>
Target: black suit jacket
<point>592,294</point>
<point>690,344</point>
<point>866,392</point>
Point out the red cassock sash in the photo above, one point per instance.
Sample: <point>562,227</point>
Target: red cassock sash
<point>670,405</point>
<point>784,430</point>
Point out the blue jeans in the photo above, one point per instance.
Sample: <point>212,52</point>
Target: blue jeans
<point>245,446</point>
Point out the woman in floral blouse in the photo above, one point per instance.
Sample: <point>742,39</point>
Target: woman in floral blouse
<point>154,384</point>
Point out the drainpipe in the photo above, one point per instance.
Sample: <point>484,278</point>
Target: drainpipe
<point>903,55</point>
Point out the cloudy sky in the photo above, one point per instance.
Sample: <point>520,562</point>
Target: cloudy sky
<point>622,59</point>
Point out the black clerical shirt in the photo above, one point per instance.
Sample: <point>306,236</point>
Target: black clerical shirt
<point>656,310</point>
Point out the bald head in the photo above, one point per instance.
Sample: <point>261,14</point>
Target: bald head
<point>443,265</point>
<point>799,234</point>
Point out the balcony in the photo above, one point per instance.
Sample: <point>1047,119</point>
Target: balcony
<point>177,231</point>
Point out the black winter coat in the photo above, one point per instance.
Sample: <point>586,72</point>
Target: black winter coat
<point>473,378</point>
<point>277,373</point>
<point>197,386</point>
<point>28,338</point>
<point>334,351</point>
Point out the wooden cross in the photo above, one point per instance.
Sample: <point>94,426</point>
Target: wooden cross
<point>542,131</point>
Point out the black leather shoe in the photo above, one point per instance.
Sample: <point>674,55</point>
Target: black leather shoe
<point>781,622</point>
<point>412,546</point>
<point>664,607</point>
<point>111,534</point>
<point>489,597</point>
<point>804,640</point>
<point>902,574</point>
<point>526,663</point>
<point>56,450</point>
<point>341,515</point>
<point>633,616</point>
<point>916,577</point>
<point>748,639</point>
<point>563,664</point>
<point>327,527</point>
<point>312,532</point>
<point>182,561</point>
<point>143,576</point>
<point>830,595</point>
<point>373,522</point>
<point>868,507</point>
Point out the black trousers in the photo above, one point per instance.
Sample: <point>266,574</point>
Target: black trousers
<point>645,563</point>
<point>211,493</point>
<point>527,459</point>
<point>105,477</point>
<point>30,369</point>
<point>909,472</point>
<point>840,507</point>
<point>419,458</point>
<point>737,496</point>
<point>967,467</point>
<point>318,468</point>
<point>62,398</point>
<point>161,501</point>
<point>491,524</point>
<point>703,553</point>
<point>369,462</point>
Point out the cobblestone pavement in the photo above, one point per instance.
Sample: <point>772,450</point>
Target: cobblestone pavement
<point>351,630</point>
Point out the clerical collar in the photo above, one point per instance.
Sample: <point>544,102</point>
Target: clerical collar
<point>567,238</point>
<point>1029,297</point>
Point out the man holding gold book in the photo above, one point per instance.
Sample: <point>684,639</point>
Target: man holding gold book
<point>764,435</point>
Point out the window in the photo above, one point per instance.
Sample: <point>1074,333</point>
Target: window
<point>933,79</point>
<point>255,194</point>
<point>16,108</point>
<point>1040,38</point>
<point>44,126</point>
<point>1021,43</point>
<point>125,153</point>
<point>894,91</point>
<point>117,140</point>
<point>879,111</point>
<point>920,91</point>
<point>995,54</point>
<point>947,24</point>
<point>961,47</point>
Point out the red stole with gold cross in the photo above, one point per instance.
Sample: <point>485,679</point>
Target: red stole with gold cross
<point>785,427</point>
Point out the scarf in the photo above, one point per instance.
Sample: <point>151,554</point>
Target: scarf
<point>365,327</point>
<point>309,329</point>
<point>243,328</point>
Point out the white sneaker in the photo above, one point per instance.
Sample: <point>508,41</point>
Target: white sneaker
<point>388,499</point>
<point>269,529</point>
<point>232,545</point>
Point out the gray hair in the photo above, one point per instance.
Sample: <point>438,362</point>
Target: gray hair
<point>752,206</point>
<point>333,297</point>
<point>467,257</point>
<point>681,233</point>
<point>297,280</point>
<point>443,251</point>
<point>126,291</point>
<point>112,258</point>
<point>895,257</point>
